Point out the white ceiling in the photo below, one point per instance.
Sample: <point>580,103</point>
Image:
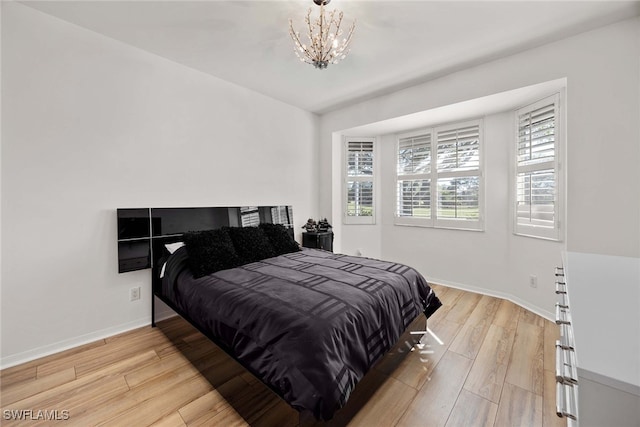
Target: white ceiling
<point>396,43</point>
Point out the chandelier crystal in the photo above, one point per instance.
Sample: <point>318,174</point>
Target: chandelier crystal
<point>323,45</point>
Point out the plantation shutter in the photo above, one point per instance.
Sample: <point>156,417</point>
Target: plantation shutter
<point>458,172</point>
<point>414,176</point>
<point>459,149</point>
<point>359,178</point>
<point>536,166</point>
<point>536,136</point>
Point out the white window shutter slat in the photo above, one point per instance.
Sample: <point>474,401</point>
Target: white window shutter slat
<point>359,182</point>
<point>439,177</point>
<point>537,180</point>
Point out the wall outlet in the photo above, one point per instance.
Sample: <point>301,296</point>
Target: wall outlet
<point>533,281</point>
<point>134,293</point>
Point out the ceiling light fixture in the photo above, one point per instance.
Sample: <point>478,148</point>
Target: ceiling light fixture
<point>324,46</point>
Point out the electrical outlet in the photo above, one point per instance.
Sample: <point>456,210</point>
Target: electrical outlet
<point>134,293</point>
<point>533,281</point>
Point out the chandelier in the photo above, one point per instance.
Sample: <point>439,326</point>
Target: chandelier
<point>324,46</point>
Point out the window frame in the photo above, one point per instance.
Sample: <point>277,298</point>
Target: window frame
<point>556,232</point>
<point>435,221</point>
<point>358,219</point>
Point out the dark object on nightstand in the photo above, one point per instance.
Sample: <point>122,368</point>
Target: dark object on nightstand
<point>318,240</point>
<point>323,225</point>
<point>311,225</point>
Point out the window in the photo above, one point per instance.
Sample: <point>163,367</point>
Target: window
<point>439,180</point>
<point>359,181</point>
<point>536,210</point>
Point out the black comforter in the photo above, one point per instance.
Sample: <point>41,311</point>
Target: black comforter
<point>309,324</point>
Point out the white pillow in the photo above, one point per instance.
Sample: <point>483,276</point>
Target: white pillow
<point>162,270</point>
<point>172,247</point>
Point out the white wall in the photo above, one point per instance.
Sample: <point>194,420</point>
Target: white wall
<point>90,125</point>
<point>602,68</point>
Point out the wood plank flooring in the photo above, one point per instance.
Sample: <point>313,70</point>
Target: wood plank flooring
<point>494,368</point>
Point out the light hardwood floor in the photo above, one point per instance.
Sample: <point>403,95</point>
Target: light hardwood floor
<point>495,367</point>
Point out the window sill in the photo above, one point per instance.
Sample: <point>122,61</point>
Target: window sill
<point>359,220</point>
<point>461,225</point>
<point>537,232</point>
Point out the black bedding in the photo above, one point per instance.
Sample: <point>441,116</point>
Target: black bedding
<point>309,324</point>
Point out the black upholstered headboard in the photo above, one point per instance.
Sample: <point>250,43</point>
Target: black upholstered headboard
<point>143,231</point>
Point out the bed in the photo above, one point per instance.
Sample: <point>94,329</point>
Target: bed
<point>306,322</point>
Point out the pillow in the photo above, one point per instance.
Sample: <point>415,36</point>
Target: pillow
<point>210,251</point>
<point>172,247</point>
<point>164,265</point>
<point>280,239</point>
<point>251,244</point>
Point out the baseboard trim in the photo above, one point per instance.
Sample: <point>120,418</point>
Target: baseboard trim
<point>163,312</point>
<point>57,347</point>
<point>502,295</point>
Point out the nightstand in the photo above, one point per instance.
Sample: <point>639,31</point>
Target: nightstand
<point>318,240</point>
